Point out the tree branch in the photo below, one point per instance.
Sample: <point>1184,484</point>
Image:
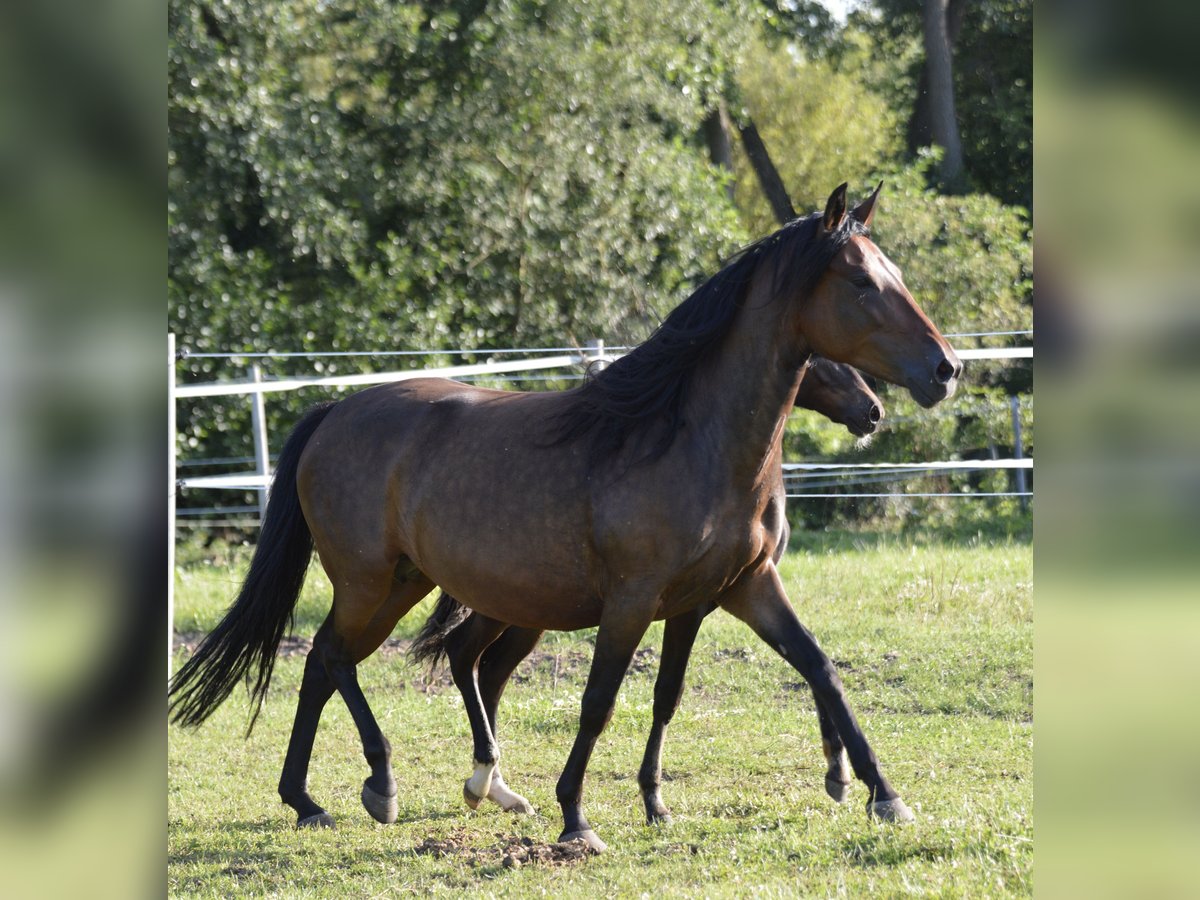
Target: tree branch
<point>768,175</point>
<point>720,146</point>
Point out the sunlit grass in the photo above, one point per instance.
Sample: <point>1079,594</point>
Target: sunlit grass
<point>934,644</point>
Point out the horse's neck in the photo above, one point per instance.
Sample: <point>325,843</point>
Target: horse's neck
<point>745,396</point>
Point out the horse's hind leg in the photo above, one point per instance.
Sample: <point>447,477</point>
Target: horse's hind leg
<point>622,625</point>
<point>340,643</point>
<point>315,690</point>
<point>362,627</point>
<point>464,646</point>
<point>496,666</point>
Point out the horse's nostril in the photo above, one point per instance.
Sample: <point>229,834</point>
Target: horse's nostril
<point>958,370</point>
<point>945,371</point>
<point>875,414</point>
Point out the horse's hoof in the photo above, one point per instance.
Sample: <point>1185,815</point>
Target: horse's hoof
<point>589,837</point>
<point>656,813</point>
<point>838,790</point>
<point>518,806</point>
<point>472,800</point>
<point>508,800</point>
<point>382,809</point>
<point>320,820</point>
<point>894,811</point>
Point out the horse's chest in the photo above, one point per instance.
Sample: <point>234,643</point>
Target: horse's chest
<point>688,550</point>
<point>715,566</point>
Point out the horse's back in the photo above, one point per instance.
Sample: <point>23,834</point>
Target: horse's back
<point>467,483</point>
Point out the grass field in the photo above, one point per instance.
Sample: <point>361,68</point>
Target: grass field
<point>934,640</point>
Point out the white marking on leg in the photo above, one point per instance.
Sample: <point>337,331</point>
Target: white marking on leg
<point>481,782</point>
<point>508,800</point>
<point>841,765</point>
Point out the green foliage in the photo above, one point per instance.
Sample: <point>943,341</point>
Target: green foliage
<point>966,259</point>
<point>994,78</point>
<point>993,82</point>
<point>321,186</point>
<point>807,21</point>
<point>821,126</point>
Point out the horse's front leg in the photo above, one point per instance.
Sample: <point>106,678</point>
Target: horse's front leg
<point>622,625</point>
<point>760,602</point>
<point>679,634</point>
<point>837,775</point>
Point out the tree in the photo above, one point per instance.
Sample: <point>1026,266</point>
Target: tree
<point>769,179</point>
<point>939,75</point>
<point>821,126</point>
<point>991,43</point>
<point>805,22</point>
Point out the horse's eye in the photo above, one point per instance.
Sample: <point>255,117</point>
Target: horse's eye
<point>862,280</point>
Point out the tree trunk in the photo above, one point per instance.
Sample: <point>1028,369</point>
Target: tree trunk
<point>920,130</point>
<point>943,122</point>
<point>720,146</point>
<point>768,175</point>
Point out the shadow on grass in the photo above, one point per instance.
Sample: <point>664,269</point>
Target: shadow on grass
<point>239,859</point>
<point>269,872</point>
<point>890,850</point>
<point>881,850</point>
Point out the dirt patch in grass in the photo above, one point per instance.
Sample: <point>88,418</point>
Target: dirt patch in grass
<point>512,852</point>
<point>552,665</point>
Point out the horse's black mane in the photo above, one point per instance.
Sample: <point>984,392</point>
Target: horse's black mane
<point>648,387</point>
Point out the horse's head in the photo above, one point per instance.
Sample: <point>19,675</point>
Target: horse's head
<point>861,313</point>
<point>838,392</point>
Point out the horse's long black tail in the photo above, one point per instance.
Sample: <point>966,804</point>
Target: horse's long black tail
<point>245,641</point>
<point>430,645</point>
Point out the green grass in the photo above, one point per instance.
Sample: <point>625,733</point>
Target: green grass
<point>934,642</point>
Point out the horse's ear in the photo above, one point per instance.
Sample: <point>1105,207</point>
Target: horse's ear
<point>865,211</point>
<point>835,209</point>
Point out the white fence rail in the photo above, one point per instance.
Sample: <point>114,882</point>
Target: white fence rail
<point>257,386</point>
<point>227,388</point>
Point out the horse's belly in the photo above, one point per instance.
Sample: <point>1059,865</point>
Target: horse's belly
<point>530,599</point>
<point>558,614</point>
<point>531,577</point>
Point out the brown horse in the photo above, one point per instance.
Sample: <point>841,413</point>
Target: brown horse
<point>645,493</point>
<point>836,391</point>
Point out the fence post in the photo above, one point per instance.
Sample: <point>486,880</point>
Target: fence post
<point>593,352</point>
<point>1018,450</point>
<point>170,499</point>
<point>262,454</point>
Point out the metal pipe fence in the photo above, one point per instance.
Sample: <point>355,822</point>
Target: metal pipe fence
<point>560,360</point>
<point>803,480</point>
